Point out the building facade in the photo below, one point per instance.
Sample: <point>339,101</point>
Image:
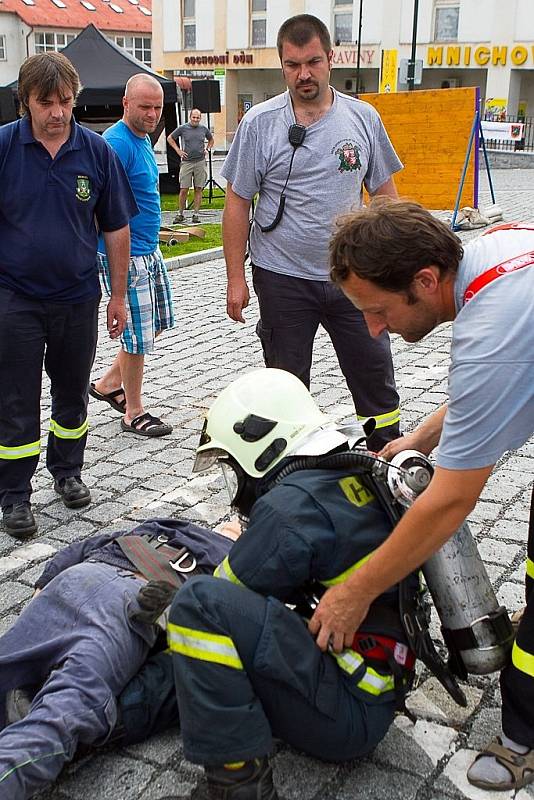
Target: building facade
<point>459,43</point>
<point>37,26</point>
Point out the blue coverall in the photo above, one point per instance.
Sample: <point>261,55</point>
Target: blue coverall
<point>77,639</point>
<point>246,667</point>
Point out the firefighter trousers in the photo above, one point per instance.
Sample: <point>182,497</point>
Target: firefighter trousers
<point>62,336</point>
<point>247,670</point>
<point>291,310</point>
<point>517,679</point>
<point>75,638</point>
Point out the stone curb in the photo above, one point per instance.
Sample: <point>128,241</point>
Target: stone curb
<point>177,262</point>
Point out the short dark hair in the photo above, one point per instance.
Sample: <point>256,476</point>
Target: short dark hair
<point>46,73</point>
<point>300,30</point>
<point>389,242</point>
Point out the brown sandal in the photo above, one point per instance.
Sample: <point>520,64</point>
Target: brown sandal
<point>111,398</point>
<point>147,425</point>
<point>520,766</point>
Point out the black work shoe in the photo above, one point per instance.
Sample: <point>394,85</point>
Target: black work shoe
<point>252,781</point>
<point>19,521</point>
<point>74,492</point>
<point>18,702</point>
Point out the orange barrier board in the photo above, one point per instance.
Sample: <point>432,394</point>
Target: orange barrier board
<point>430,131</point>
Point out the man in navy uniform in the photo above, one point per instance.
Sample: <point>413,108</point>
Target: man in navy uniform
<point>60,183</point>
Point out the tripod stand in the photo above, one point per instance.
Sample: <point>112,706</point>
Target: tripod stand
<point>211,182</point>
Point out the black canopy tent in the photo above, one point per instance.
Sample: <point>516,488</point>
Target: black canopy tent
<point>104,68</point>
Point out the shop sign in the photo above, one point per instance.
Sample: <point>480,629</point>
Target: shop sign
<point>388,75</point>
<point>235,58</point>
<point>220,75</point>
<point>348,57</point>
<point>503,131</point>
<point>479,55</point>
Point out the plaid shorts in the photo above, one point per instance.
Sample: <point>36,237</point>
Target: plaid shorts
<point>148,300</point>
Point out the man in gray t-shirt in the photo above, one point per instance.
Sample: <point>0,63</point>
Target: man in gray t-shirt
<point>407,273</point>
<point>345,148</point>
<point>195,140</point>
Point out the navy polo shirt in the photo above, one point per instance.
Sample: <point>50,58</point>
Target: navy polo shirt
<point>50,208</point>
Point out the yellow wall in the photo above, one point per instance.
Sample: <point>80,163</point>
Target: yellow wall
<point>430,131</point>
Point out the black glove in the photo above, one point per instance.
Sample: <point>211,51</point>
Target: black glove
<point>153,599</point>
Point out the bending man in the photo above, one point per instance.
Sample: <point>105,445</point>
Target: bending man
<point>407,273</point>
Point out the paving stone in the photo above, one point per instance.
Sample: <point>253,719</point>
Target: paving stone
<point>6,623</point>
<point>300,778</point>
<point>160,749</point>
<point>431,701</point>
<point>170,784</point>
<point>105,512</point>
<point>456,770</point>
<point>9,564</point>
<point>106,777</point>
<point>497,552</point>
<point>372,782</point>
<point>485,727</point>
<point>13,594</point>
<point>511,595</point>
<point>73,531</point>
<point>502,529</point>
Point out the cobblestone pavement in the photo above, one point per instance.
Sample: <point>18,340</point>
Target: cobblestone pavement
<point>133,478</point>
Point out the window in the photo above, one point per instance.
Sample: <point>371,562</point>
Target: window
<point>342,21</point>
<point>446,22</point>
<point>3,52</point>
<point>258,23</point>
<point>89,6</point>
<point>52,41</point>
<point>259,32</point>
<point>138,46</point>
<point>189,34</point>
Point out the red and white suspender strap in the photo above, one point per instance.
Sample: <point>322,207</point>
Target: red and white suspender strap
<point>505,267</point>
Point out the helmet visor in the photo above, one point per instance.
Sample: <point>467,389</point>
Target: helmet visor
<point>231,481</point>
<point>207,458</point>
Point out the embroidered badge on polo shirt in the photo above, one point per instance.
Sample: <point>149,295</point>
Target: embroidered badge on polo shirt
<point>349,156</point>
<point>83,188</point>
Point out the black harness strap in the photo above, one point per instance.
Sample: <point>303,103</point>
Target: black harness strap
<point>156,564</point>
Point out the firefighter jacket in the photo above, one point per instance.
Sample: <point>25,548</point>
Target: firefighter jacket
<point>319,525</point>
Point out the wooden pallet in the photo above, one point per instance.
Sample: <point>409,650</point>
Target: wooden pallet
<point>171,236</point>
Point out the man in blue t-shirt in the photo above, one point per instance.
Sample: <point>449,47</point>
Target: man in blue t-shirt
<point>149,296</point>
<point>59,181</point>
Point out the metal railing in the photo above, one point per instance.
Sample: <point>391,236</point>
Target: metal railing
<point>526,143</point>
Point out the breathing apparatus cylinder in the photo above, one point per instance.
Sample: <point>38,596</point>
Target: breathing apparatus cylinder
<point>477,631</point>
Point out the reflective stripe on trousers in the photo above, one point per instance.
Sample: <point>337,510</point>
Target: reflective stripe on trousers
<point>69,433</point>
<point>22,451</point>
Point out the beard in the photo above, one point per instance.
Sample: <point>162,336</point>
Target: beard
<point>311,94</point>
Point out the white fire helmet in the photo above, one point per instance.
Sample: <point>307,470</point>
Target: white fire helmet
<point>261,418</point>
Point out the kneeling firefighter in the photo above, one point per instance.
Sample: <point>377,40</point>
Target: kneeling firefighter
<point>246,667</point>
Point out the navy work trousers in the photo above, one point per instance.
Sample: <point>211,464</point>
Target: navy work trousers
<point>291,310</point>
<point>63,336</point>
<point>286,686</point>
<point>75,638</point>
<point>517,679</point>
